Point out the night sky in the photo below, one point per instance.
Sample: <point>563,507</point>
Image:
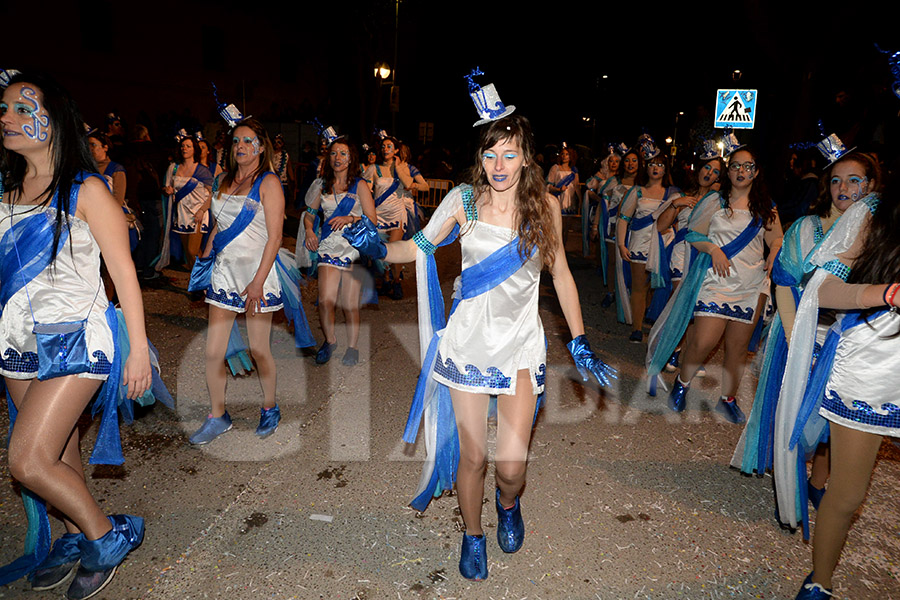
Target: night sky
<point>285,62</point>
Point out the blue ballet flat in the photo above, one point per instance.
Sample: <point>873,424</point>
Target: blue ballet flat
<point>473,558</point>
<point>672,365</point>
<point>324,353</point>
<point>510,527</point>
<point>60,565</point>
<point>678,396</point>
<point>607,301</point>
<point>100,558</point>
<point>731,411</point>
<point>814,494</point>
<point>812,591</point>
<point>268,421</point>
<point>637,336</point>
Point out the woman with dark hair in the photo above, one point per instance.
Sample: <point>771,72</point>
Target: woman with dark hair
<point>388,180</point>
<point>612,197</point>
<point>593,214</point>
<point>56,218</point>
<point>860,373</point>
<point>639,240</point>
<point>343,201</point>
<point>562,180</point>
<point>725,292</point>
<point>493,343</point>
<point>413,210</point>
<point>241,272</point>
<point>99,144</point>
<point>849,178</point>
<point>206,157</point>
<point>188,185</point>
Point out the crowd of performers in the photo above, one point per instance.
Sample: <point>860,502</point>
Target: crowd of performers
<point>702,266</point>
<point>698,263</point>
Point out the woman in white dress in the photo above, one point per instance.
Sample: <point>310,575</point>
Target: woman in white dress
<point>636,232</point>
<point>248,207</point>
<point>343,199</point>
<point>188,183</point>
<point>57,216</point>
<point>860,398</point>
<point>612,197</point>
<point>388,181</point>
<point>493,343</point>
<point>734,290</point>
<point>562,181</point>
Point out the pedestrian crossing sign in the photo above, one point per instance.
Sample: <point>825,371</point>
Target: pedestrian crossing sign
<point>735,108</point>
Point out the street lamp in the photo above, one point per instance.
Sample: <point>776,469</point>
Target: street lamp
<point>382,70</point>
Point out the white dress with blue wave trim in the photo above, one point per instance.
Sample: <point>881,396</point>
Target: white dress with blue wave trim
<point>490,337</point>
<point>187,207</point>
<point>734,296</point>
<point>237,263</point>
<point>639,239</point>
<point>391,212</point>
<point>862,390</point>
<point>63,292</point>
<point>334,251</point>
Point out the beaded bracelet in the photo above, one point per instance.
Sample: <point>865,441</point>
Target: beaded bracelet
<point>424,245</point>
<point>625,218</point>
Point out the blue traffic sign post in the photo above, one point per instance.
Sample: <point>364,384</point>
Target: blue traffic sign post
<point>735,108</point>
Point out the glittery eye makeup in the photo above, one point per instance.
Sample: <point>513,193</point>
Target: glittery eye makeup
<point>488,156</point>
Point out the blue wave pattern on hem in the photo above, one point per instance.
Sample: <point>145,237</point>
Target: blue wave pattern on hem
<point>188,229</point>
<point>541,376</point>
<point>337,261</point>
<point>495,379</point>
<point>272,300</point>
<point>862,412</point>
<point>677,274</point>
<point>391,225</point>
<point>27,362</point>
<point>639,256</point>
<point>724,310</point>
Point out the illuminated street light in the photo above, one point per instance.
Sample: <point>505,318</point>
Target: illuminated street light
<point>382,70</point>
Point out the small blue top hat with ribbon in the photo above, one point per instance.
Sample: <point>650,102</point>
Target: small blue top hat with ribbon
<point>487,100</point>
<point>709,150</point>
<point>229,112</point>
<point>833,149</point>
<point>5,76</point>
<point>731,142</point>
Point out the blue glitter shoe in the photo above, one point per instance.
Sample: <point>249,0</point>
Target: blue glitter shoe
<point>268,421</point>
<point>324,354</point>
<point>100,558</point>
<point>672,365</point>
<point>607,301</point>
<point>637,336</point>
<point>814,494</point>
<point>812,591</point>
<point>678,396</point>
<point>212,428</point>
<point>729,409</point>
<point>510,527</point>
<point>473,558</point>
<point>60,565</point>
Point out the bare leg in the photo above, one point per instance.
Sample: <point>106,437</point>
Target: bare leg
<point>818,477</point>
<point>395,235</point>
<point>48,411</point>
<point>329,282</point>
<point>259,330</point>
<point>853,455</point>
<point>351,292</point>
<point>737,336</point>
<point>220,322</point>
<point>640,293</point>
<point>705,334</point>
<point>610,267</point>
<point>471,423</point>
<point>515,416</point>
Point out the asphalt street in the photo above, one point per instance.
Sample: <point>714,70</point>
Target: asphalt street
<point>624,499</point>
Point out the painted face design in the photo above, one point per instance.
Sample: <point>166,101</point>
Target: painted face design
<point>709,173</point>
<point>503,164</point>
<point>339,156</point>
<point>39,128</point>
<point>848,184</point>
<point>252,141</point>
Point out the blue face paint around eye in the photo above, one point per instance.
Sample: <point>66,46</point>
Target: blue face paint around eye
<point>488,156</point>
<point>40,122</point>
<point>509,156</point>
<point>256,145</point>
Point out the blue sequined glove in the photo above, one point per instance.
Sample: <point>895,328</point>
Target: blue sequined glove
<point>363,235</point>
<point>587,362</point>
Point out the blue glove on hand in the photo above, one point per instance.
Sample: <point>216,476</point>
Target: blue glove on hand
<point>587,362</point>
<point>363,235</point>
